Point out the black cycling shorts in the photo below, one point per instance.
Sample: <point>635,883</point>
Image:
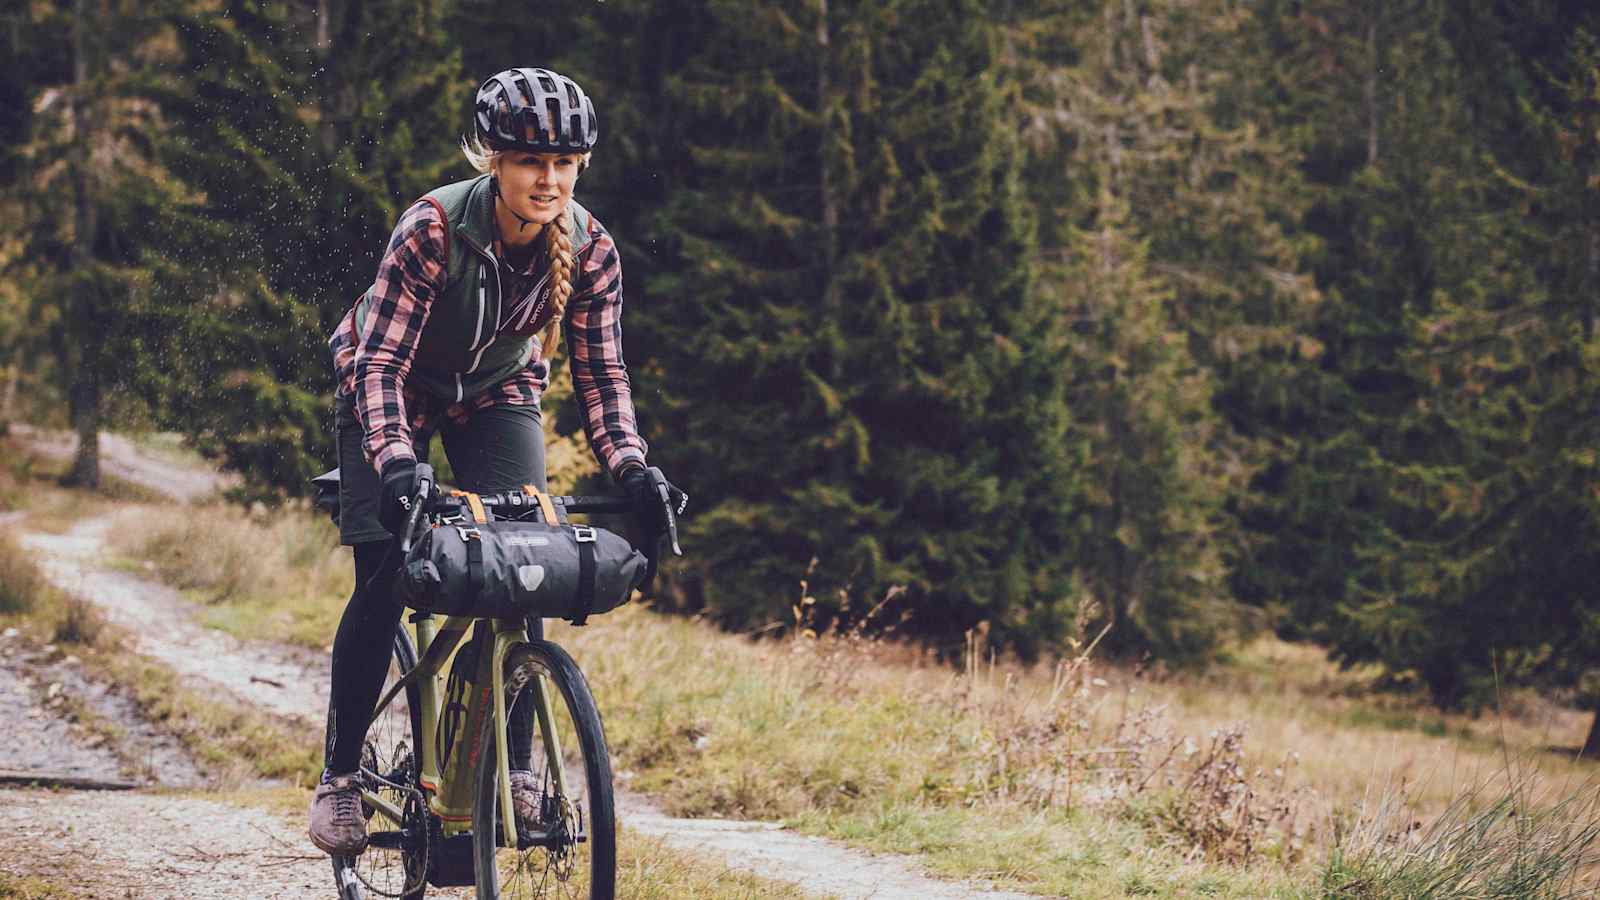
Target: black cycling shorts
<point>500,448</point>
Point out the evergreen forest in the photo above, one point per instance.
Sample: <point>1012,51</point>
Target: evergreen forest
<point>1157,322</point>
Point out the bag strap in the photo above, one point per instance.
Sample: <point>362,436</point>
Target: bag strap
<point>474,504</point>
<point>474,540</point>
<point>585,536</point>
<point>545,506</point>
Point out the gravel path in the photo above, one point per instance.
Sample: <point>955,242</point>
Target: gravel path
<point>39,685</point>
<point>289,681</point>
<point>39,739</point>
<point>156,847</point>
<point>821,866</point>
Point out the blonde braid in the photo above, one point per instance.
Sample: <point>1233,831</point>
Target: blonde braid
<point>562,275</point>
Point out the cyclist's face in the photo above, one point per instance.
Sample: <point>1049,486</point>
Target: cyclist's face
<point>537,186</point>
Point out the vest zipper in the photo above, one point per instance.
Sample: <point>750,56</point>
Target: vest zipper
<point>482,302</point>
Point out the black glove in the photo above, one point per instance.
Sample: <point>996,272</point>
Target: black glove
<point>399,487</point>
<point>647,507</point>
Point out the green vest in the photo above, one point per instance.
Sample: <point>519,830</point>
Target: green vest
<point>460,354</point>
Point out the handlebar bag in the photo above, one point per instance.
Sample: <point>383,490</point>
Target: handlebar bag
<point>511,569</point>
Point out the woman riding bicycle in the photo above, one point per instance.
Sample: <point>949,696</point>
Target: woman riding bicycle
<point>480,281</point>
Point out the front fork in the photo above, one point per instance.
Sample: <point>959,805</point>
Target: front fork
<point>509,634</point>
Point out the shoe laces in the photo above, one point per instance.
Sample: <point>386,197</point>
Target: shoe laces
<point>346,802</point>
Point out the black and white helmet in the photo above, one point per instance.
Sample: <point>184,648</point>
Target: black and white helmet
<point>536,110</point>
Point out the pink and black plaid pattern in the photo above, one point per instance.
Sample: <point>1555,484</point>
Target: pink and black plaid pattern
<point>373,365</point>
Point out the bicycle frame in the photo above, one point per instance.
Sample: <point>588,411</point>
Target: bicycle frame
<point>447,771</point>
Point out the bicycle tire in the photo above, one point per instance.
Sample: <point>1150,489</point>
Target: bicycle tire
<point>510,874</point>
<point>367,875</point>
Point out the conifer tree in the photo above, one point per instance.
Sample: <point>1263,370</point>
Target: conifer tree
<point>863,389</point>
<point>1143,138</point>
<point>1502,596</point>
<point>1151,560</point>
<point>1367,91</point>
<point>304,132</point>
<point>86,188</point>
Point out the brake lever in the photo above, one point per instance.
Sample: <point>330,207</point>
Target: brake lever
<point>424,493</point>
<point>660,481</point>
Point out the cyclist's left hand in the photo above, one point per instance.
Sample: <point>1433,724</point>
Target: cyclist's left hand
<point>647,502</point>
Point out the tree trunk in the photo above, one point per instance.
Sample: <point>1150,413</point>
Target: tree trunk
<point>328,99</point>
<point>8,400</point>
<point>1591,280</point>
<point>1374,65</point>
<point>1591,745</point>
<point>84,404</point>
<point>84,392</point>
<point>832,300</point>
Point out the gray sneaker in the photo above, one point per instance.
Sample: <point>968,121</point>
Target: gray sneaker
<point>337,826</point>
<point>526,799</point>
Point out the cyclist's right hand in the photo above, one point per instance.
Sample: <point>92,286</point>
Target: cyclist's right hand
<point>399,491</point>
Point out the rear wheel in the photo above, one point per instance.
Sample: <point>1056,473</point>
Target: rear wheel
<point>395,861</point>
<point>571,850</point>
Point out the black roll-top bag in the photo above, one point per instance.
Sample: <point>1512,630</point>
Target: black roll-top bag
<point>512,568</point>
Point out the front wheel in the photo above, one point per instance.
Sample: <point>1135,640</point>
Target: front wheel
<point>570,849</point>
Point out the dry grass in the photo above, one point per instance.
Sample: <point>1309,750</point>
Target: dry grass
<point>1108,780</point>
<point>1074,777</point>
<point>80,623</point>
<point>30,888</point>
<point>279,575</point>
<point>28,598</point>
<point>21,583</point>
<point>1509,844</point>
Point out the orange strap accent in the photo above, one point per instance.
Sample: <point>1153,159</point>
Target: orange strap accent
<point>544,504</point>
<point>474,504</point>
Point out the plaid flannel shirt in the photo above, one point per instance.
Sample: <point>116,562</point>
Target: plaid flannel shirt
<point>372,366</point>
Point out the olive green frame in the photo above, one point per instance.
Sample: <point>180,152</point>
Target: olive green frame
<point>451,782</point>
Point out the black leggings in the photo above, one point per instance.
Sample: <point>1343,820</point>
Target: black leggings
<point>497,449</point>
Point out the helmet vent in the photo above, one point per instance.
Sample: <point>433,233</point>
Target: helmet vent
<point>536,110</point>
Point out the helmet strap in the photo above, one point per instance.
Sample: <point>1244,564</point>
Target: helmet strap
<point>494,185</point>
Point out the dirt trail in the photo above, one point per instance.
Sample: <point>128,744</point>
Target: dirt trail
<point>126,460</point>
<point>190,847</point>
<point>285,680</point>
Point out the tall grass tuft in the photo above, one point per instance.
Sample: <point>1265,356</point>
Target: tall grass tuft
<point>1480,847</point>
<point>80,623</point>
<point>21,582</point>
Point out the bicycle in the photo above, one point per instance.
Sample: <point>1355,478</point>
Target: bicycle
<point>435,763</point>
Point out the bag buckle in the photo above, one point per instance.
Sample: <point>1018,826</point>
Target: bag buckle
<point>468,534</point>
<point>583,534</point>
